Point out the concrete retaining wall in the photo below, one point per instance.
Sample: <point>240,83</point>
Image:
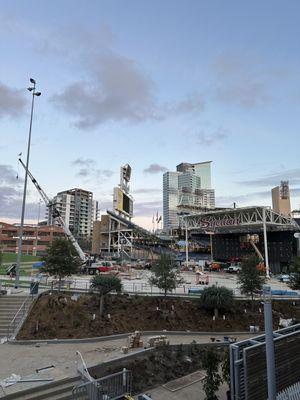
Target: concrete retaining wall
<point>100,370</point>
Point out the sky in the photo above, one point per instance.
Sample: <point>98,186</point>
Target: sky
<point>149,83</point>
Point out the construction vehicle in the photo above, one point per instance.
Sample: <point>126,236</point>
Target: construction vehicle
<point>56,214</point>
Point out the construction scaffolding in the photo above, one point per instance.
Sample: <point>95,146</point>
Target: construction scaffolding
<point>120,237</point>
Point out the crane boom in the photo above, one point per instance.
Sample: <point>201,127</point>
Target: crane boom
<point>55,213</point>
<point>260,256</point>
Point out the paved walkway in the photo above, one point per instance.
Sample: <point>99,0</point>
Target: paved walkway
<point>25,359</point>
<point>192,392</point>
<point>139,282</point>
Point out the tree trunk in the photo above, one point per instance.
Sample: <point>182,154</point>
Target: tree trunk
<point>252,301</point>
<point>59,283</point>
<point>101,305</point>
<point>216,312</point>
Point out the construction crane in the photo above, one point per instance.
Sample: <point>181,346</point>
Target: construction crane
<point>55,214</point>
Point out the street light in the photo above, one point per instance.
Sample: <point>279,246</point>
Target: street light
<point>34,93</point>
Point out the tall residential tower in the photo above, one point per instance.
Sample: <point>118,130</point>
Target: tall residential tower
<point>78,209</point>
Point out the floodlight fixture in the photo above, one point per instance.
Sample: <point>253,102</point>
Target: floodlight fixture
<point>32,81</point>
<point>37,93</point>
<point>30,89</point>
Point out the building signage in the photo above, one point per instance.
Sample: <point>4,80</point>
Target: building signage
<point>26,237</point>
<point>213,223</point>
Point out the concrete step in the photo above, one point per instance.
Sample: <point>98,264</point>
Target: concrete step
<point>10,307</point>
<point>9,299</point>
<point>11,303</point>
<point>3,332</point>
<point>58,390</point>
<point>4,326</point>
<point>4,318</point>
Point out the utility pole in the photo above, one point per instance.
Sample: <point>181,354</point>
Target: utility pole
<point>34,93</point>
<point>269,339</point>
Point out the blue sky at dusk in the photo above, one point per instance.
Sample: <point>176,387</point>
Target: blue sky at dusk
<point>152,84</point>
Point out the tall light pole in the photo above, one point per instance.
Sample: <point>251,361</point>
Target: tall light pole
<point>186,245</point>
<point>31,89</point>
<point>266,243</point>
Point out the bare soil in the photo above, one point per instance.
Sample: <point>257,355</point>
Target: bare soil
<point>164,365</point>
<point>58,316</point>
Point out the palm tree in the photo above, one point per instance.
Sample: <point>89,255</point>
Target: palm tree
<point>105,284</point>
<point>217,298</point>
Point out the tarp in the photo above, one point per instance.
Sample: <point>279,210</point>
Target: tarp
<point>38,264</point>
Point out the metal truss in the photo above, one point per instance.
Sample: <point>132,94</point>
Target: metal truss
<point>229,219</point>
<point>124,236</point>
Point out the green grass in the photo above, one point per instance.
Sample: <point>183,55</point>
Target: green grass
<point>12,257</point>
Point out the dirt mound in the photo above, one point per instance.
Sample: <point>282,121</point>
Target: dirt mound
<point>60,316</point>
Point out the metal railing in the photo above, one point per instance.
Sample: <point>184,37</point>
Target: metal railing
<point>110,387</point>
<point>18,319</point>
<point>291,393</point>
<point>82,368</point>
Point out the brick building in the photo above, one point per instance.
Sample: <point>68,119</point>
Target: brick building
<point>36,238</point>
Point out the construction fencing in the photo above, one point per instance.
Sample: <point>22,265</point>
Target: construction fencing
<point>291,393</point>
<point>110,387</point>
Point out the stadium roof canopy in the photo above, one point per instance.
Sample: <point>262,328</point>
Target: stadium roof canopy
<point>235,220</point>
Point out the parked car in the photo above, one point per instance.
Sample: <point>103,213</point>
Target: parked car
<point>284,278</point>
<point>234,269</point>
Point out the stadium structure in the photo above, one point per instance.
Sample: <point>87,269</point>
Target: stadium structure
<point>116,235</point>
<point>237,232</point>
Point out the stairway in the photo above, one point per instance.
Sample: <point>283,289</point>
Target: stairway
<point>58,390</point>
<point>9,305</point>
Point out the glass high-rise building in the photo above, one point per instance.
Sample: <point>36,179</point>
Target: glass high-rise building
<point>186,190</point>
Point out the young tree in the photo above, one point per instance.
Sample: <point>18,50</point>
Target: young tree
<point>295,274</point>
<point>217,298</point>
<point>1,258</point>
<point>212,380</point>
<point>250,279</point>
<point>165,274</point>
<point>226,371</point>
<point>61,259</point>
<point>105,284</point>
